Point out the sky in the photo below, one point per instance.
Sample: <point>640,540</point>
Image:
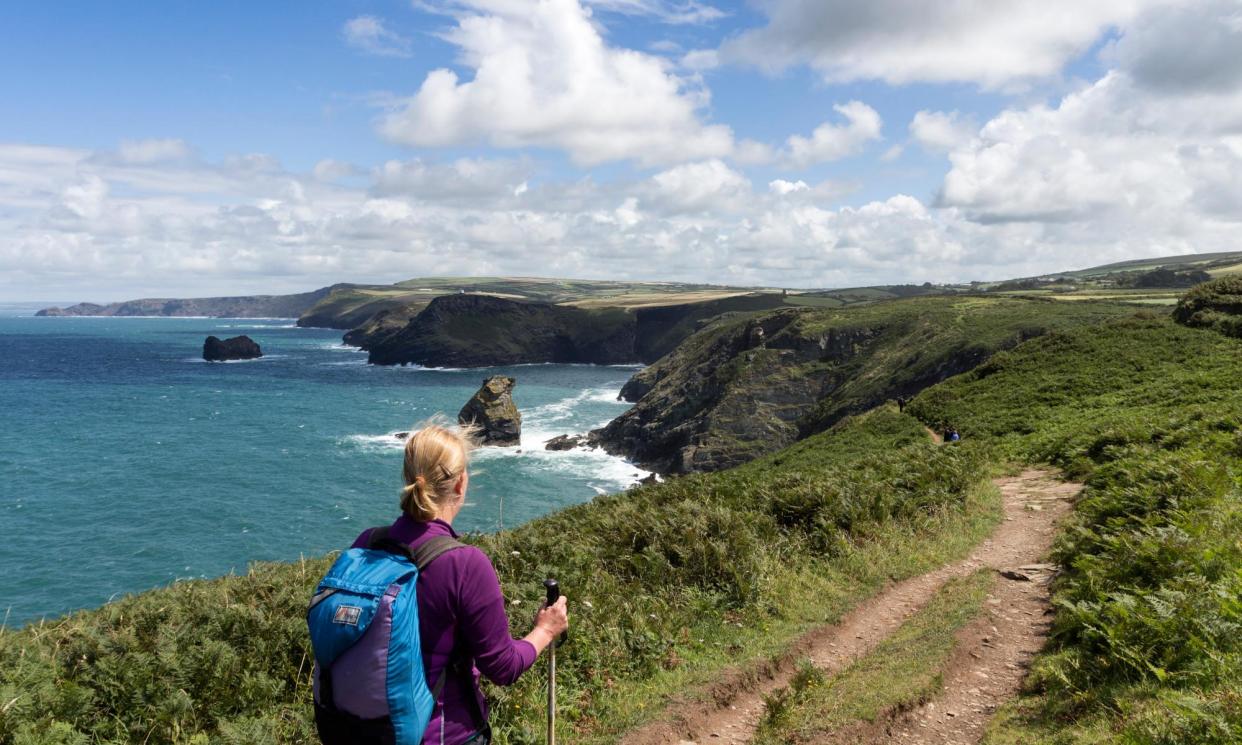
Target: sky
<point>192,149</point>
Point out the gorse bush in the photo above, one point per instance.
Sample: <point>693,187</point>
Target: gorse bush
<point>1216,305</point>
<point>656,574</point>
<point>1148,628</point>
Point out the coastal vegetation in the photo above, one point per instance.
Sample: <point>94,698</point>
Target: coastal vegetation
<point>670,583</point>
<point>673,583</point>
<point>1146,646</point>
<point>746,385</point>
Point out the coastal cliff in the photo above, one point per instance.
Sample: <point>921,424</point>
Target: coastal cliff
<point>245,306</point>
<point>743,387</point>
<point>481,330</point>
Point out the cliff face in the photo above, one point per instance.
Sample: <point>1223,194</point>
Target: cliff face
<point>251,306</point>
<point>381,326</point>
<point>482,331</point>
<point>742,387</point>
<point>732,392</point>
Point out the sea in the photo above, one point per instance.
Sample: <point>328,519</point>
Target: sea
<point>127,462</point>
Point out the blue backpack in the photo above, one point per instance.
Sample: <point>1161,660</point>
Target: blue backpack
<point>363,622</point>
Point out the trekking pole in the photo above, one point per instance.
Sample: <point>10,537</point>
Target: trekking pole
<point>554,592</point>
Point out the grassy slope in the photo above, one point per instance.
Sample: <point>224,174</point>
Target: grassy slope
<point>1147,645</point>
<point>728,402</point>
<point>682,579</point>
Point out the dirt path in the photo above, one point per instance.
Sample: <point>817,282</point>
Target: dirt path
<point>1033,503</point>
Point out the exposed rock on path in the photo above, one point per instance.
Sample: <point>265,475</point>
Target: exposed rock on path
<point>493,410</point>
<point>1034,502</point>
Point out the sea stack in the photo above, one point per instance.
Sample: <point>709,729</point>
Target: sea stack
<point>236,348</point>
<point>493,410</point>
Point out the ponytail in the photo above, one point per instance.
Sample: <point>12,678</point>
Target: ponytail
<point>435,458</point>
<point>416,501</point>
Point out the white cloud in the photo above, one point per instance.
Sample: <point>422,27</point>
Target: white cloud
<point>1122,167</point>
<point>835,141</point>
<point>710,185</point>
<point>995,43</point>
<point>666,11</point>
<point>329,169</point>
<point>781,186</point>
<point>466,178</point>
<point>153,151</point>
<point>1185,47</point>
<point>543,76</point>
<point>370,35</point>
<point>940,132</point>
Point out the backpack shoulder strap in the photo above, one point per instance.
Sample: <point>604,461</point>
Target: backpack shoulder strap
<point>432,549</point>
<point>427,552</point>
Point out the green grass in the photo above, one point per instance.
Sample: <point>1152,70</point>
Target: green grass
<point>901,672</point>
<point>682,578</point>
<point>1147,643</point>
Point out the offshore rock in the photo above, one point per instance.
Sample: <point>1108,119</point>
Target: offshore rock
<point>492,409</point>
<point>564,442</point>
<point>236,348</point>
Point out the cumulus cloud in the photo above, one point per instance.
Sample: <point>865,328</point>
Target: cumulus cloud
<point>153,151</point>
<point>370,35</point>
<point>466,178</point>
<point>940,132</point>
<point>543,76</point>
<point>995,43</point>
<point>665,11</point>
<point>1124,166</point>
<point>706,186</point>
<point>1195,47</point>
<point>835,141</point>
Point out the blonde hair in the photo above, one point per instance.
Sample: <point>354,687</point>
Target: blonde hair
<point>436,456</point>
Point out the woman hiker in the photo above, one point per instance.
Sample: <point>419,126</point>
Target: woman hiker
<point>461,613</point>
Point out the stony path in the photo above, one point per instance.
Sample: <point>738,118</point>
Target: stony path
<point>987,672</point>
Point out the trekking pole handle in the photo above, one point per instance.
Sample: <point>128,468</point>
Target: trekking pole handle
<point>554,593</point>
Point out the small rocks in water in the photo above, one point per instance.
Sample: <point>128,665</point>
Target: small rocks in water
<point>564,442</point>
<point>493,410</point>
<point>216,349</point>
<point>401,435</point>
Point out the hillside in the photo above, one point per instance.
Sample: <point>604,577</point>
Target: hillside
<point>746,386</point>
<point>351,306</point>
<point>687,589</point>
<point>252,306</point>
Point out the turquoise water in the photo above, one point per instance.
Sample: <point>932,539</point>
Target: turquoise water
<point>127,462</point>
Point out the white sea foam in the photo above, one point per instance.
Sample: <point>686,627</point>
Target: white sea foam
<point>602,472</point>
<point>420,368</point>
<point>374,443</point>
<point>557,411</point>
<point>264,358</point>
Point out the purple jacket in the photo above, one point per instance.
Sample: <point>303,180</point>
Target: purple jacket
<point>460,610</point>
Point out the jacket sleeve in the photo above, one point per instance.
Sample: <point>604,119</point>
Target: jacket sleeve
<point>484,626</point>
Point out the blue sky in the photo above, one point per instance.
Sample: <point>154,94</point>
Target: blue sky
<point>201,148</point>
